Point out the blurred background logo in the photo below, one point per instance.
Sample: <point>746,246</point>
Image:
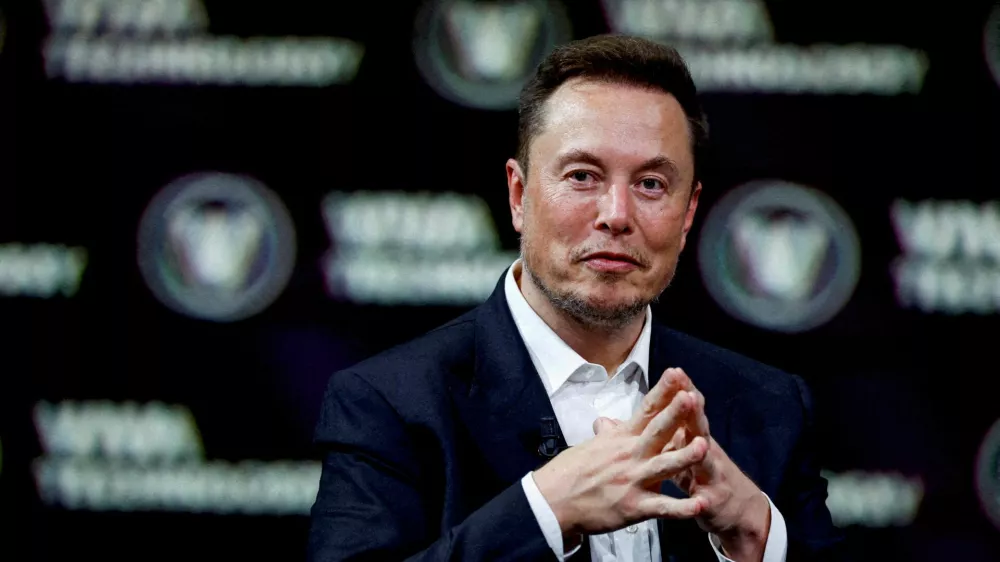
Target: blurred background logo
<point>873,499</point>
<point>110,456</point>
<point>779,256</point>
<point>480,54</point>
<point>730,46</point>
<point>991,42</point>
<point>216,246</point>
<point>41,270</point>
<point>394,248</point>
<point>169,42</point>
<point>988,474</point>
<point>727,22</point>
<point>950,255</point>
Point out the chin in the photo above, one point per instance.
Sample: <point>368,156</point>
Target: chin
<point>612,296</point>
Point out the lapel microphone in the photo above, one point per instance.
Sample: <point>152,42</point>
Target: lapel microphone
<point>552,439</point>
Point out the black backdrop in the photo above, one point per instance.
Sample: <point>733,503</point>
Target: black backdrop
<point>905,386</point>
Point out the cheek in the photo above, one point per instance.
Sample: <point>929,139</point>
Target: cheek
<point>563,218</point>
<point>663,228</point>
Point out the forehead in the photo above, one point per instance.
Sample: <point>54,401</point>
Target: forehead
<point>600,116</point>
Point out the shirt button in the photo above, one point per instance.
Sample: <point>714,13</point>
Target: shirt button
<point>632,529</point>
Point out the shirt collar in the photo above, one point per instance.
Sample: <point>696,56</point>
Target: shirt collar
<point>556,360</point>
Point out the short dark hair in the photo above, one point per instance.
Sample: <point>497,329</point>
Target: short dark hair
<point>616,59</point>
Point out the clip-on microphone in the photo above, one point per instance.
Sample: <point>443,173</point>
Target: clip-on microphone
<point>552,440</point>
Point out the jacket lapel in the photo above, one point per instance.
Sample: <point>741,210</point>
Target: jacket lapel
<point>505,399</point>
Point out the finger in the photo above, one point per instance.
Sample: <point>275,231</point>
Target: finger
<point>603,424</point>
<point>665,465</point>
<point>652,504</point>
<point>683,379</point>
<point>679,440</point>
<point>706,470</point>
<point>661,429</point>
<point>655,400</point>
<point>698,420</point>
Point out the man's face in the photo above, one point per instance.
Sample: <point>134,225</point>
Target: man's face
<point>608,201</point>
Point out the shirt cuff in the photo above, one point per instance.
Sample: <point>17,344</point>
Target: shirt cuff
<point>546,518</point>
<point>777,538</point>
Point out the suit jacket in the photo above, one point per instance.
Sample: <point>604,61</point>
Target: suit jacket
<point>425,445</point>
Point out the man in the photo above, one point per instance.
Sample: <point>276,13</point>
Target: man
<point>444,448</point>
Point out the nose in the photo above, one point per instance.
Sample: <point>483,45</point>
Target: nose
<point>614,210</point>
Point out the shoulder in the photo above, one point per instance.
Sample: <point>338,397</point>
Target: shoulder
<point>445,344</point>
<point>408,372</point>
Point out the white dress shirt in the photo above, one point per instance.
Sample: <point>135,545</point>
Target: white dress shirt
<point>580,392</point>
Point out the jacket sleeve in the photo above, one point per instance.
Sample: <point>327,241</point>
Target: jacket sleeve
<point>811,533</point>
<point>373,501</point>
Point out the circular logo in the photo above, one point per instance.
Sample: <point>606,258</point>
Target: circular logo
<point>480,54</point>
<point>779,255</point>
<point>988,474</point>
<point>991,42</point>
<point>216,246</point>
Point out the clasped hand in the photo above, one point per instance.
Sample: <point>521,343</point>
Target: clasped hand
<point>613,480</point>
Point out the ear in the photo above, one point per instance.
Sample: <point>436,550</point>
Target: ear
<point>689,214</point>
<point>516,184</point>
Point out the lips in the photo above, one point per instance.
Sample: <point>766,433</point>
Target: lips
<point>611,263</point>
<point>611,256</point>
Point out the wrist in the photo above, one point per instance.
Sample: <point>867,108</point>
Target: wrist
<point>747,539</point>
<point>553,488</point>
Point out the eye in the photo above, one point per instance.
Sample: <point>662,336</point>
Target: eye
<point>580,176</point>
<point>652,183</point>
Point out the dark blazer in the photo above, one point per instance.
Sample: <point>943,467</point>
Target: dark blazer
<point>425,446</point>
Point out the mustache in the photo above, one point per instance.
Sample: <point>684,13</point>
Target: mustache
<point>580,253</point>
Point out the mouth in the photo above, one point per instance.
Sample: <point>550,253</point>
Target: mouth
<point>611,262</point>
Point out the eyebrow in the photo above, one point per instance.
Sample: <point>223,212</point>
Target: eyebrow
<point>586,157</point>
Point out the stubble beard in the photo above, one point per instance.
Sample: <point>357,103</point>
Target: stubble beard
<point>578,307</point>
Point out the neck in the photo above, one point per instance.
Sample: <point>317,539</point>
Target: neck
<point>596,344</point>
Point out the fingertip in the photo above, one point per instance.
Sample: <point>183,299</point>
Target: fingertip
<point>604,424</point>
<point>691,401</point>
<point>700,445</point>
<point>696,507</point>
<point>702,504</point>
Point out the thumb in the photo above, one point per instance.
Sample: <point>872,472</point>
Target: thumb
<point>603,425</point>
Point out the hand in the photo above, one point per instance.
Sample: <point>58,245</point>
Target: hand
<point>613,480</point>
<point>734,509</point>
